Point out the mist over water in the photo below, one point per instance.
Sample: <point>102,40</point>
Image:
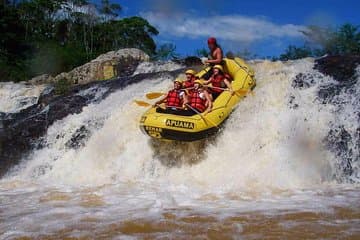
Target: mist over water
<point>272,155</point>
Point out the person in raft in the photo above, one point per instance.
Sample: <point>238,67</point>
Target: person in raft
<point>174,99</point>
<point>216,53</point>
<point>188,84</point>
<point>215,56</point>
<point>199,100</point>
<point>219,80</point>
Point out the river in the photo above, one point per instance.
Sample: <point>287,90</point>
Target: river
<point>275,171</point>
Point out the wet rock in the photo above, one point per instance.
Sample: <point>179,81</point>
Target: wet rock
<point>303,81</point>
<point>341,68</point>
<point>292,102</point>
<point>23,131</point>
<point>338,141</point>
<point>342,94</point>
<point>42,79</point>
<point>78,138</point>
<point>109,65</point>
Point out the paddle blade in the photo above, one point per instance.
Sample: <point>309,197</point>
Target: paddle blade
<point>153,95</point>
<point>142,103</point>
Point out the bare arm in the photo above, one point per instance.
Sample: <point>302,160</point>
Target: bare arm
<point>209,102</point>
<point>161,100</point>
<point>228,84</point>
<point>185,99</point>
<point>208,81</point>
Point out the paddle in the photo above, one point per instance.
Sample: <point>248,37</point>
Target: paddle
<point>239,91</point>
<point>146,104</point>
<point>203,117</point>
<point>153,95</point>
<point>142,103</point>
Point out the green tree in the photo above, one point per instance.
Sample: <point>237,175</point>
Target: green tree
<point>202,52</point>
<point>292,52</point>
<point>321,41</point>
<point>109,10</point>
<point>128,32</point>
<point>38,17</point>
<point>166,51</point>
<point>343,40</point>
<point>348,39</point>
<point>51,36</point>
<point>13,47</point>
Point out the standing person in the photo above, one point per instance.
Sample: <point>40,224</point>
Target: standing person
<point>219,81</point>
<point>216,53</point>
<point>174,99</point>
<point>215,57</point>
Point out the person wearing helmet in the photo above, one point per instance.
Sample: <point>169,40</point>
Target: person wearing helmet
<point>190,78</point>
<point>173,100</point>
<point>216,53</point>
<point>199,100</point>
<point>219,81</point>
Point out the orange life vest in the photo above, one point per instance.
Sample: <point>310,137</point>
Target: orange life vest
<point>173,98</point>
<point>197,102</point>
<point>189,84</point>
<point>218,82</point>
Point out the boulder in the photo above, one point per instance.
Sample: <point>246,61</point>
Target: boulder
<point>341,68</point>
<point>42,79</point>
<point>109,65</point>
<point>106,66</point>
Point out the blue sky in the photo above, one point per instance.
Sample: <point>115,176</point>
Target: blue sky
<point>263,27</point>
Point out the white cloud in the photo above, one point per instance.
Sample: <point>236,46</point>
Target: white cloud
<point>235,28</point>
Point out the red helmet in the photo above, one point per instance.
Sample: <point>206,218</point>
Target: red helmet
<point>211,40</point>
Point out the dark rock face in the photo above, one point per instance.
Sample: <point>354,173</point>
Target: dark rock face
<point>342,93</point>
<point>344,144</point>
<point>21,132</point>
<point>303,81</point>
<point>341,68</point>
<point>79,137</point>
<point>338,141</point>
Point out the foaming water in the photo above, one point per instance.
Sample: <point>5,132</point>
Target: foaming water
<point>267,173</point>
<point>151,67</point>
<point>17,96</point>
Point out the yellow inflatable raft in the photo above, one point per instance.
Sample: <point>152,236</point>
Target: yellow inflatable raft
<point>199,126</point>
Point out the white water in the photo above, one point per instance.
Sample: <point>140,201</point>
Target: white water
<point>269,157</point>
<point>17,96</point>
<point>262,146</point>
<point>151,67</point>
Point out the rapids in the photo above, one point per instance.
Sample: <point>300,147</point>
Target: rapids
<point>286,164</point>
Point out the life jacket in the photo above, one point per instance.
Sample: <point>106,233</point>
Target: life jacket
<point>218,82</point>
<point>189,84</point>
<point>197,102</point>
<point>173,98</point>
